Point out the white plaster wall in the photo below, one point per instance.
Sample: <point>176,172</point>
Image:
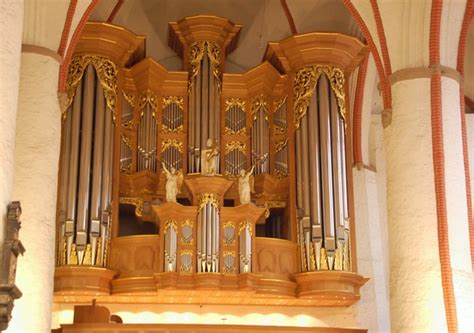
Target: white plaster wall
<point>407,30</point>
<point>214,314</point>
<point>416,298</point>
<point>451,22</point>
<point>44,22</point>
<point>35,185</point>
<point>372,98</point>
<point>11,25</point>
<point>373,310</point>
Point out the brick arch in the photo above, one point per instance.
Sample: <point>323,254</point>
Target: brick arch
<point>384,84</point>
<point>63,69</point>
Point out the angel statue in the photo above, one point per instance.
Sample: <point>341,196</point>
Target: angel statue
<point>209,159</point>
<point>174,180</point>
<point>245,185</point>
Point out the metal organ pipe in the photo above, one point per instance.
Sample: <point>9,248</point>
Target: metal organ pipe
<point>314,161</point>
<point>325,132</point>
<point>85,166</point>
<point>74,155</point>
<point>205,100</point>
<point>95,212</point>
<point>305,182</point>
<point>197,94</point>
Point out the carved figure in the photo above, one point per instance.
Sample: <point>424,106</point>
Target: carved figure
<point>174,181</point>
<point>209,159</point>
<point>245,185</point>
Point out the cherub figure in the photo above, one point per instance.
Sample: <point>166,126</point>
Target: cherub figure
<point>245,185</point>
<point>209,159</point>
<point>174,180</point>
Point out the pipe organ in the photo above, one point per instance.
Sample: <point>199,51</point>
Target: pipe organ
<point>134,131</point>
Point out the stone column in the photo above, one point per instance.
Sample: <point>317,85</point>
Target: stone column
<point>35,184</point>
<point>11,25</point>
<point>418,295</point>
<point>415,279</point>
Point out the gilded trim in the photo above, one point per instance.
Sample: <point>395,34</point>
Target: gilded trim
<point>305,83</point>
<point>106,71</point>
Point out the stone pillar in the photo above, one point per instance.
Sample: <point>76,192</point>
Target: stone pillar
<point>11,25</point>
<point>35,184</point>
<point>415,279</point>
<point>418,296</point>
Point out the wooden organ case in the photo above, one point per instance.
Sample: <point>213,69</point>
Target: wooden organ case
<point>129,119</point>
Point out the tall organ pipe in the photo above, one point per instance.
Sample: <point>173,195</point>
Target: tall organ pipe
<point>86,145</point>
<point>314,167</point>
<point>305,182</point>
<point>205,100</point>
<point>74,154</point>
<point>299,170</point>
<point>107,160</point>
<point>325,132</point>
<point>95,212</point>
<point>197,95</point>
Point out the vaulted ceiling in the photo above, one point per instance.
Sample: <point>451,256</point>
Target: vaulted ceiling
<point>263,21</point>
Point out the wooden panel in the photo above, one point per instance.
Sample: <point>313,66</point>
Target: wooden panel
<point>181,328</point>
<point>135,256</point>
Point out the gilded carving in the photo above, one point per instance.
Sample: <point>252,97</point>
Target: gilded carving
<point>279,145</point>
<point>208,198</point>
<point>196,52</point>
<point>259,103</point>
<point>130,98</point>
<point>305,83</point>
<point>137,202</point>
<point>214,54</point>
<point>148,97</point>
<point>324,260</point>
<point>106,71</point>
<point>278,104</point>
<point>245,225</point>
<point>234,102</point>
<point>168,143</point>
<point>232,145</point>
<point>170,224</point>
<point>177,100</point>
<point>273,204</point>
